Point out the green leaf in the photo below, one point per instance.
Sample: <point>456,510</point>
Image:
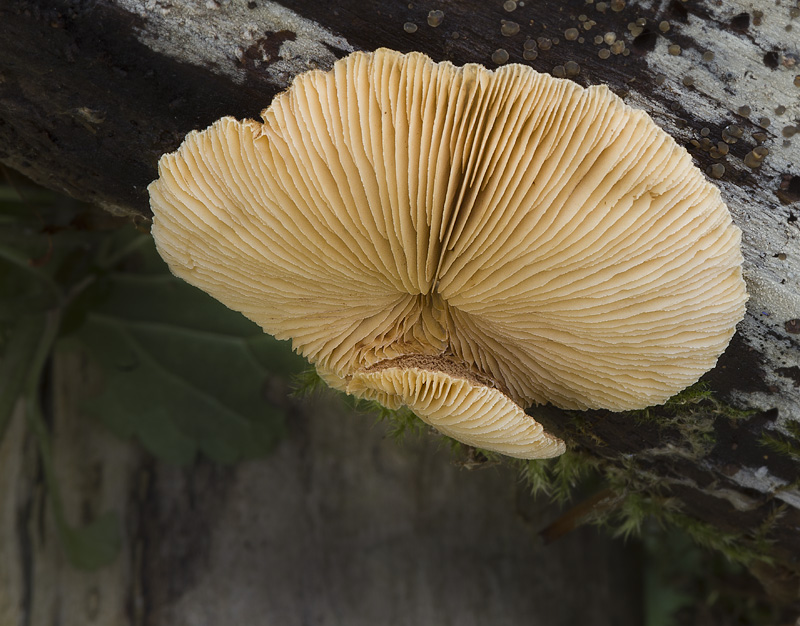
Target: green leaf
<point>18,357</point>
<point>662,602</point>
<point>42,256</point>
<point>21,280</point>
<point>183,374</point>
<point>98,543</point>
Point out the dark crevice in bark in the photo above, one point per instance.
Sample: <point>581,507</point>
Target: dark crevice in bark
<point>183,504</point>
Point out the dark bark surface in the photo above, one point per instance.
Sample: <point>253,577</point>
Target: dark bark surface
<point>89,108</point>
<point>91,94</point>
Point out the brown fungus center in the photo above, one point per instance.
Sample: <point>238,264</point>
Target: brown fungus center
<point>437,363</point>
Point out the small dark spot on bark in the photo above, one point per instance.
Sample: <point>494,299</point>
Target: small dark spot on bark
<point>789,189</point>
<point>740,23</point>
<point>744,439</point>
<point>678,11</point>
<point>168,140</point>
<point>792,373</point>
<point>48,137</point>
<point>771,59</point>
<point>730,469</point>
<point>792,218</point>
<point>644,42</point>
<point>251,5</point>
<point>266,49</point>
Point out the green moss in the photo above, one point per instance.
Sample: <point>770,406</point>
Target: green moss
<point>782,444</point>
<point>557,478</point>
<point>645,498</point>
<point>691,416</point>
<point>688,423</point>
<point>307,382</point>
<point>402,421</point>
<point>697,401</point>
<point>737,547</point>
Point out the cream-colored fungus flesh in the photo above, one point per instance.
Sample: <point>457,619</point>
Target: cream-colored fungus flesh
<point>458,403</point>
<point>545,237</point>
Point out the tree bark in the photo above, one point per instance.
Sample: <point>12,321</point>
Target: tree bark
<point>340,525</point>
<point>91,94</point>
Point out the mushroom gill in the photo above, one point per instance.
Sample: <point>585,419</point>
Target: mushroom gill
<point>548,241</point>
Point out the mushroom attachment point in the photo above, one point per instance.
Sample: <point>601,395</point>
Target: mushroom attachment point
<point>465,242</point>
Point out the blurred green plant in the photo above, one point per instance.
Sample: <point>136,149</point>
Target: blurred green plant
<point>182,373</point>
<point>687,584</point>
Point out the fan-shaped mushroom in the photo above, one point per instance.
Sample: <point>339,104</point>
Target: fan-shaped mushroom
<point>461,241</point>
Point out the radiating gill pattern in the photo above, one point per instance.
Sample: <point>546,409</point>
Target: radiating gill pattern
<point>543,235</point>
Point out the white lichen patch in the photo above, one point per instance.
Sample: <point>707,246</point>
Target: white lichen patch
<point>740,501</point>
<point>215,35</point>
<point>775,305</point>
<point>761,480</point>
<point>736,499</point>
<point>719,89</point>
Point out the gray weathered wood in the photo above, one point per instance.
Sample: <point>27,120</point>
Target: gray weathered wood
<point>340,526</point>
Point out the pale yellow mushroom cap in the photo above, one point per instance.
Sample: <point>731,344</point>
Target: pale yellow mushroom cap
<point>545,237</point>
<point>457,403</point>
